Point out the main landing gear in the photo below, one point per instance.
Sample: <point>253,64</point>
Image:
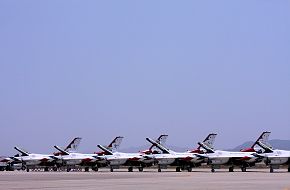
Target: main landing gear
<point>159,168</point>
<point>95,169</point>
<point>140,169</point>
<point>244,169</point>
<point>231,169</point>
<point>271,169</point>
<point>130,169</point>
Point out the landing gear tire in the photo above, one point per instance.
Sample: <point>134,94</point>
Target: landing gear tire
<point>231,169</point>
<point>95,169</point>
<point>87,169</point>
<point>140,169</point>
<point>289,169</point>
<point>159,169</point>
<point>189,169</point>
<point>244,169</point>
<point>111,169</point>
<point>68,169</point>
<point>271,169</point>
<point>212,170</point>
<point>178,169</point>
<point>8,168</point>
<point>130,169</point>
<point>27,169</point>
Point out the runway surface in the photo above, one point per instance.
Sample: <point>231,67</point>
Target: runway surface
<point>149,179</point>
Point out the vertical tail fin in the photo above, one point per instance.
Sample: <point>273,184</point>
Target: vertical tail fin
<point>207,142</point>
<point>264,139</point>
<point>73,146</point>
<point>115,144</point>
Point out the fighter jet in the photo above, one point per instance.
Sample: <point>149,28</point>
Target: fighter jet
<point>70,159</point>
<point>182,160</point>
<point>32,161</point>
<point>273,157</point>
<point>115,159</point>
<point>243,159</point>
<point>11,162</point>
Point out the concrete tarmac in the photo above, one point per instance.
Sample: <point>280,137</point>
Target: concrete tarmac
<point>259,179</point>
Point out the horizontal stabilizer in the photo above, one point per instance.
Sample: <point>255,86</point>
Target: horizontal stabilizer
<point>263,138</point>
<point>158,145</point>
<point>61,150</point>
<point>208,149</point>
<point>107,151</point>
<point>24,153</point>
<point>161,140</point>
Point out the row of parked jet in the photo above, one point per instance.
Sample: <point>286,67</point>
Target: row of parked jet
<point>158,154</point>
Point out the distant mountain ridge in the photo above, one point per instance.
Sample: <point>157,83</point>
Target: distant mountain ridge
<point>276,143</point>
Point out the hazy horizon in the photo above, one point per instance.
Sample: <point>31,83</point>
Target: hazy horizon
<point>99,69</point>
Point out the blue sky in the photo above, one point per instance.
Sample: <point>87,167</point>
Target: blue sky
<point>98,69</point>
